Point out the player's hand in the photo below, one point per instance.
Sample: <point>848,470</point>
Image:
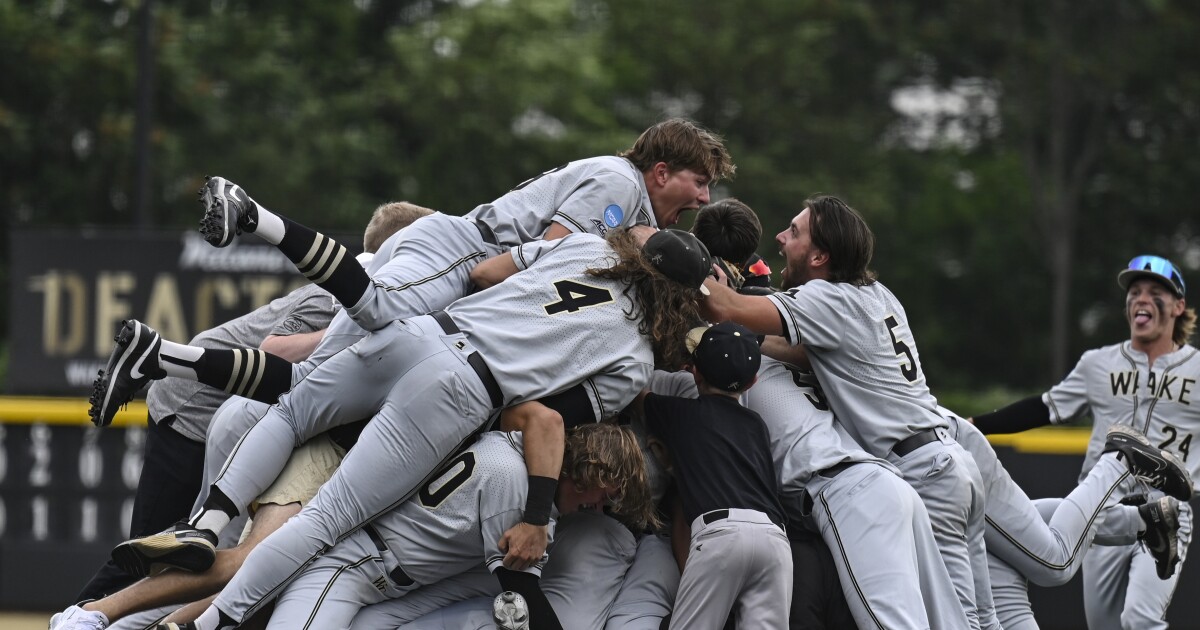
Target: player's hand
<point>524,545</point>
<point>719,274</point>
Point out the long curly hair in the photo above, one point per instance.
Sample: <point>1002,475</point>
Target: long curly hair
<point>604,455</point>
<point>664,309</point>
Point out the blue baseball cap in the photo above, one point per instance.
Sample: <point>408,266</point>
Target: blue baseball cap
<point>1155,268</point>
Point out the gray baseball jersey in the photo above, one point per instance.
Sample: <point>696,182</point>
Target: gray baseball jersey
<point>550,302</point>
<point>191,404</point>
<point>862,350</point>
<point>874,523</point>
<point>589,556</point>
<point>426,399</point>
<point>429,267</point>
<point>805,437</point>
<point>591,195</point>
<point>453,522</point>
<point>1117,385</point>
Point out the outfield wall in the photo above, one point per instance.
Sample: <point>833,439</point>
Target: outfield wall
<point>66,491</point>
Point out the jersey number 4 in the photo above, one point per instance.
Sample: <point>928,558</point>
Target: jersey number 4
<point>576,295</point>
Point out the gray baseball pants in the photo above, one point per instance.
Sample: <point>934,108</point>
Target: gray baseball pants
<point>741,558</point>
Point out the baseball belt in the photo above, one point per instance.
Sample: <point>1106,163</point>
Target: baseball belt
<point>398,576</point>
<point>474,360</point>
<point>914,442</point>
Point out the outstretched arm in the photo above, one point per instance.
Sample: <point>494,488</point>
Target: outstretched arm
<point>493,270</point>
<point>755,312</point>
<point>1027,413</point>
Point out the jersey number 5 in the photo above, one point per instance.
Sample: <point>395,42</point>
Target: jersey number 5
<point>576,295</point>
<point>909,369</point>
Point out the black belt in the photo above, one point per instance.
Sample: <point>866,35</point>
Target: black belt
<point>397,575</point>
<point>485,232</point>
<point>474,360</point>
<point>835,470</point>
<point>716,515</point>
<point>914,442</point>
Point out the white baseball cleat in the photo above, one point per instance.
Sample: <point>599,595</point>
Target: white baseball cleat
<point>76,618</point>
<point>510,611</point>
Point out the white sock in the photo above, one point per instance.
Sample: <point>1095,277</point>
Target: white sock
<point>209,619</point>
<point>212,520</point>
<point>270,226</point>
<point>180,351</point>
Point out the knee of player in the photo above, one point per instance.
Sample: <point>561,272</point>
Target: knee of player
<point>1048,577</point>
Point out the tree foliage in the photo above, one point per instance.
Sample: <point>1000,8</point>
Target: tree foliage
<point>1059,138</point>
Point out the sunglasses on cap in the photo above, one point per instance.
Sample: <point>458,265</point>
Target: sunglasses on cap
<point>1157,266</point>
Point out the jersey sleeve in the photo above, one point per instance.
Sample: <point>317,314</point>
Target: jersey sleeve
<point>605,200</point>
<point>812,314</point>
<point>1068,400</point>
<point>527,254</point>
<point>681,384</point>
<point>493,528</point>
<point>612,391</point>
<point>312,311</point>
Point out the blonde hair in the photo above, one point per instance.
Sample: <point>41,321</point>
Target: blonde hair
<point>388,219</point>
<point>604,455</point>
<point>1185,326</point>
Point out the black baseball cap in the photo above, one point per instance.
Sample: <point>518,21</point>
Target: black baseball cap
<point>726,355</point>
<point>1155,268</point>
<point>679,256</point>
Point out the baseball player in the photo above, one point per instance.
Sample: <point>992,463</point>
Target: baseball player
<point>1045,542</point>
<point>414,377</point>
<point>145,602</point>
<point>873,521</point>
<point>438,533</point>
<point>731,232</point>
<point>739,558</point>
<point>857,338</point>
<point>666,172</point>
<point>180,410</point>
<point>590,555</point>
<point>1148,383</point>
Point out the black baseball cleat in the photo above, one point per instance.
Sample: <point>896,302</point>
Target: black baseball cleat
<point>132,364</point>
<point>228,211</point>
<point>510,612</point>
<point>1162,534</point>
<point>180,547</point>
<point>1152,465</point>
<point>171,625</point>
<point>1134,500</point>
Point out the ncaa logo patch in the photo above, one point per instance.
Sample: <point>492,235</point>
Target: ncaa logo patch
<point>613,215</point>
